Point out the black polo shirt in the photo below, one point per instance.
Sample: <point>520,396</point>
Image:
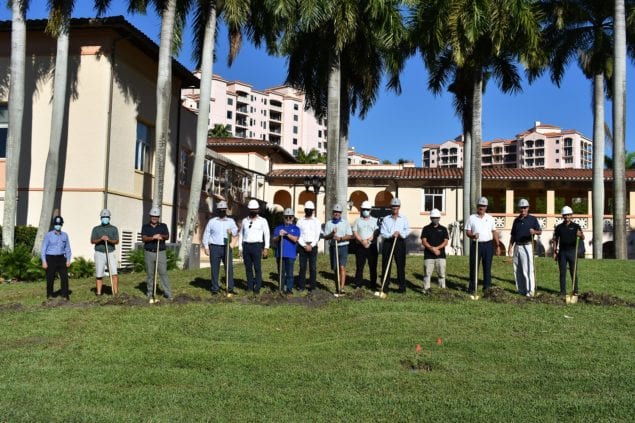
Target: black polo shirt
<point>149,230</point>
<point>435,236</point>
<point>566,235</point>
<point>520,229</point>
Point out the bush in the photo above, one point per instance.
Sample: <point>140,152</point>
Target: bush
<point>81,268</point>
<point>137,259</point>
<point>24,235</point>
<point>19,264</point>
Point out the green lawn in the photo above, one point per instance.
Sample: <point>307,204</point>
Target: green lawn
<point>323,359</point>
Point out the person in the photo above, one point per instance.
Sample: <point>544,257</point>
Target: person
<point>481,228</point>
<point>395,229</point>
<point>154,234</point>
<point>564,248</point>
<point>105,236</point>
<point>56,258</point>
<point>365,231</point>
<point>338,230</point>
<point>310,230</point>
<point>521,248</point>
<point>220,231</point>
<point>434,238</point>
<point>289,234</point>
<point>253,244</point>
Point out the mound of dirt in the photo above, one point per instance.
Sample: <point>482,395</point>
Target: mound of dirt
<point>11,307</point>
<point>603,299</point>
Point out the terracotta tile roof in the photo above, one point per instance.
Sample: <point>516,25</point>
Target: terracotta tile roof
<point>418,173</point>
<point>221,145</point>
<point>356,153</point>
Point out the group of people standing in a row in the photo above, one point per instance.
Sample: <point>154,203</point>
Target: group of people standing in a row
<point>299,240</point>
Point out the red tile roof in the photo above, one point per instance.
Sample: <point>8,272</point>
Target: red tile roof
<point>221,145</point>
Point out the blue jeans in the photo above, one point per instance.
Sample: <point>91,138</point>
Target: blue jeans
<point>287,272</point>
<point>252,254</point>
<point>217,254</point>
<point>485,256</point>
<point>312,259</point>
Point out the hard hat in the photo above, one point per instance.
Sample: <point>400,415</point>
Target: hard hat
<point>483,201</point>
<point>57,220</point>
<point>155,211</point>
<point>435,213</point>
<point>337,208</point>
<point>288,212</point>
<point>253,205</point>
<point>222,205</point>
<point>566,210</point>
<point>523,203</point>
<point>366,205</point>
<point>395,202</point>
<point>104,213</point>
<point>309,205</point>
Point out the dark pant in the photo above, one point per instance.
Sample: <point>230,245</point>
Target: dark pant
<point>287,272</point>
<point>567,257</point>
<point>218,253</point>
<point>485,256</point>
<point>399,258</point>
<point>361,256</point>
<point>56,264</point>
<point>252,254</point>
<point>312,259</point>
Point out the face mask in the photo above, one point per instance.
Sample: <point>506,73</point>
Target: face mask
<point>308,213</point>
<point>105,220</point>
<point>338,220</point>
<point>58,227</point>
<point>222,213</point>
<point>253,214</point>
<point>365,213</point>
<point>435,220</point>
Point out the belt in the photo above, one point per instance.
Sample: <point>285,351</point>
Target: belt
<point>523,243</point>
<point>484,242</point>
<point>55,255</point>
<point>217,245</point>
<point>253,243</point>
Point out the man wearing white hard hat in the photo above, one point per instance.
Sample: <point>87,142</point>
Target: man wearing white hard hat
<point>105,236</point>
<point>395,229</point>
<point>434,238</point>
<point>521,248</point>
<point>220,231</point>
<point>310,231</point>
<point>253,244</point>
<point>338,229</point>
<point>154,234</point>
<point>481,228</point>
<point>565,238</point>
<point>365,232</point>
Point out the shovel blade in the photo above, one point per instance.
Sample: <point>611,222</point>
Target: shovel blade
<point>381,294</point>
<point>474,297</point>
<point>571,299</point>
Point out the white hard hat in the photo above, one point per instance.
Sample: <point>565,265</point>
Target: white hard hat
<point>395,202</point>
<point>104,213</point>
<point>366,205</point>
<point>435,213</point>
<point>483,201</point>
<point>288,212</point>
<point>222,205</point>
<point>337,208</point>
<point>566,210</point>
<point>155,211</point>
<point>309,205</point>
<point>523,203</point>
<point>253,205</point>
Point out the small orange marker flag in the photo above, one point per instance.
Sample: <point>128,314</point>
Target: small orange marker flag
<point>418,348</point>
<point>439,341</point>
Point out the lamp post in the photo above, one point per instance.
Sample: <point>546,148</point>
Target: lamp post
<point>315,182</point>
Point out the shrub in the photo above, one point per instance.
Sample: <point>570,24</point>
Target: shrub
<point>81,268</point>
<point>24,235</point>
<point>137,259</point>
<point>19,264</point>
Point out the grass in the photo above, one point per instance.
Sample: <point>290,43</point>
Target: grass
<point>322,359</point>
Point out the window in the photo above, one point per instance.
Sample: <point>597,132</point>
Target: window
<point>230,101</point>
<point>229,114</point>
<point>296,107</point>
<point>295,129</point>
<point>295,141</point>
<point>143,148</point>
<point>295,152</point>
<point>319,134</point>
<point>295,118</point>
<point>432,198</point>
<point>4,129</point>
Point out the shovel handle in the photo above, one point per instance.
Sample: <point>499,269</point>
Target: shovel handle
<point>387,271</point>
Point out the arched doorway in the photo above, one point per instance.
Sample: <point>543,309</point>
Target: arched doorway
<point>283,199</point>
<point>382,199</point>
<point>357,197</point>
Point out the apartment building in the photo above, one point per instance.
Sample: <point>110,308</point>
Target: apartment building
<point>540,147</point>
<point>276,114</point>
<point>357,158</point>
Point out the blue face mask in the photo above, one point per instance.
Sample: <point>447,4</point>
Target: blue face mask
<point>105,220</point>
<point>57,227</point>
<point>338,220</point>
<point>365,213</point>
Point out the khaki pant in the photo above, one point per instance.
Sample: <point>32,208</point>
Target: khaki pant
<point>433,264</point>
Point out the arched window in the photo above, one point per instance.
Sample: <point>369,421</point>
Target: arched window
<point>382,199</point>
<point>282,199</point>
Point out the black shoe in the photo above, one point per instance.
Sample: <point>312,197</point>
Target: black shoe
<point>214,292</point>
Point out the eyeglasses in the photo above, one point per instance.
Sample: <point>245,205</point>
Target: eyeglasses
<point>288,217</point>
<point>524,207</point>
<point>250,223</point>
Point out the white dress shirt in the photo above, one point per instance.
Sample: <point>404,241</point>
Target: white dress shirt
<point>256,230</point>
<point>310,230</point>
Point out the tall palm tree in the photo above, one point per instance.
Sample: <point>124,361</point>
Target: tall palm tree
<point>312,156</point>
<point>629,160</point>
<point>58,26</point>
<point>16,119</point>
<point>619,126</point>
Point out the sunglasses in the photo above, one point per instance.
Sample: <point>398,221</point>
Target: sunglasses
<point>250,223</point>
<point>524,207</point>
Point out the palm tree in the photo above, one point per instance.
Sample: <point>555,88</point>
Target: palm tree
<point>218,131</point>
<point>619,125</point>
<point>629,161</point>
<point>312,156</point>
<point>16,119</point>
<point>58,25</point>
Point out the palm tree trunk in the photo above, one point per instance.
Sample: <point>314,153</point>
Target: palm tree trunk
<point>16,118</point>
<point>164,96</point>
<point>205,94</point>
<point>477,137</point>
<point>619,127</point>
<point>467,184</point>
<point>57,122</point>
<point>598,164</point>
<point>333,138</point>
<point>342,169</point>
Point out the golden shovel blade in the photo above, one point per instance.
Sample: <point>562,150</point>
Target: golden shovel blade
<point>571,299</point>
<point>381,294</point>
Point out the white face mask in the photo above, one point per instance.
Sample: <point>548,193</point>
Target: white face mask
<point>365,213</point>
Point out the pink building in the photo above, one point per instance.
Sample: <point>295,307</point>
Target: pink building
<point>357,158</point>
<point>275,114</point>
<point>542,146</point>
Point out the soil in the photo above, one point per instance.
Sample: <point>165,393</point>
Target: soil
<point>416,366</point>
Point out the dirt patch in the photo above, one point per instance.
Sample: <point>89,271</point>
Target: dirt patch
<point>603,299</point>
<point>445,295</point>
<point>11,307</point>
<point>416,365</point>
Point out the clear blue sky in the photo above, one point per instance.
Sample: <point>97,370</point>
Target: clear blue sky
<point>398,126</point>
